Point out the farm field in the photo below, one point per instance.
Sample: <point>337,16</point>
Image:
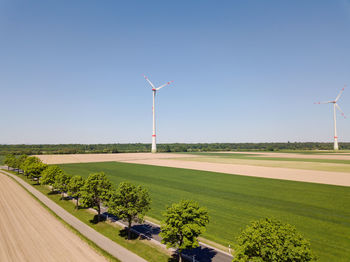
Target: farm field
<point>248,164</point>
<point>340,158</point>
<point>320,212</point>
<point>316,163</point>
<point>28,232</point>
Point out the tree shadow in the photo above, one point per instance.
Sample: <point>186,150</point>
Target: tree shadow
<point>174,258</point>
<point>65,198</point>
<point>96,221</point>
<point>147,230</point>
<point>203,254</point>
<point>82,207</point>
<point>54,192</point>
<point>124,233</point>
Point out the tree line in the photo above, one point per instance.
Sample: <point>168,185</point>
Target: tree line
<point>264,240</point>
<point>175,147</point>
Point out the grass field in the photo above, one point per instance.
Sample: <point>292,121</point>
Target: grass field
<point>290,163</point>
<point>271,158</point>
<point>2,159</point>
<point>320,212</point>
<point>303,152</point>
<point>332,165</point>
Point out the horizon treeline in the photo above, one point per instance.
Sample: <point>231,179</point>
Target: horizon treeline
<point>174,147</point>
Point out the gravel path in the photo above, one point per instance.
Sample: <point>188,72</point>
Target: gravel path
<point>103,242</point>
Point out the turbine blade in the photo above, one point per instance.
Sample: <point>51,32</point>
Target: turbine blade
<point>327,102</point>
<point>149,81</point>
<point>340,93</point>
<point>341,111</point>
<point>168,83</point>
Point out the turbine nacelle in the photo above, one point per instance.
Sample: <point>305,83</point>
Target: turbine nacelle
<point>152,85</point>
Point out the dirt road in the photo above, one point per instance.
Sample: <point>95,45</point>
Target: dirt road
<point>28,232</point>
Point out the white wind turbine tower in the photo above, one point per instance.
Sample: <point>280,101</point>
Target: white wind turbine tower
<point>154,89</point>
<point>335,107</point>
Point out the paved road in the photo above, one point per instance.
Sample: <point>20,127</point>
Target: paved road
<point>203,253</point>
<point>103,242</point>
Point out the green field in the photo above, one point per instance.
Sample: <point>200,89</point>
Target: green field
<point>320,212</point>
<point>2,159</point>
<point>331,165</point>
<point>271,158</point>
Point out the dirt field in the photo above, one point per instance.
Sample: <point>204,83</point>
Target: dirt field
<point>87,158</point>
<point>28,232</point>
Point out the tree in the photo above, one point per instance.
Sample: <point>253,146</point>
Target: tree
<point>96,190</point>
<point>61,183</point>
<point>48,176</point>
<point>15,163</point>
<point>33,166</point>
<point>130,203</point>
<point>183,223</point>
<point>10,161</point>
<point>75,185</point>
<point>271,240</point>
<point>20,161</point>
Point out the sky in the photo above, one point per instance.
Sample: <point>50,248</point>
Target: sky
<point>243,71</point>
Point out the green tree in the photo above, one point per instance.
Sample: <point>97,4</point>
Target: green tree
<point>48,176</point>
<point>20,161</point>
<point>96,190</point>
<point>61,183</point>
<point>10,161</point>
<point>129,203</point>
<point>75,185</point>
<point>15,163</point>
<point>33,167</point>
<point>273,241</point>
<point>183,223</point>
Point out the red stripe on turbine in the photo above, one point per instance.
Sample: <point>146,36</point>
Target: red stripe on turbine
<point>154,135</point>
<point>335,137</point>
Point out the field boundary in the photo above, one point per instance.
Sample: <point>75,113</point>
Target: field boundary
<point>101,241</point>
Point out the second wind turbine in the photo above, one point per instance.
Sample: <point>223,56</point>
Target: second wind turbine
<point>154,89</point>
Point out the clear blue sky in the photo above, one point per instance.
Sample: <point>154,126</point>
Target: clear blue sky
<point>244,71</point>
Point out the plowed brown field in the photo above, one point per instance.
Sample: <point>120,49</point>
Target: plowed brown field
<point>28,232</point>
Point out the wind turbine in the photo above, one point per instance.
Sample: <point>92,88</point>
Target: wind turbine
<point>335,107</point>
<point>154,89</point>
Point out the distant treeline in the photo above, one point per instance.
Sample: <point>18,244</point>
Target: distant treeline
<point>138,147</point>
